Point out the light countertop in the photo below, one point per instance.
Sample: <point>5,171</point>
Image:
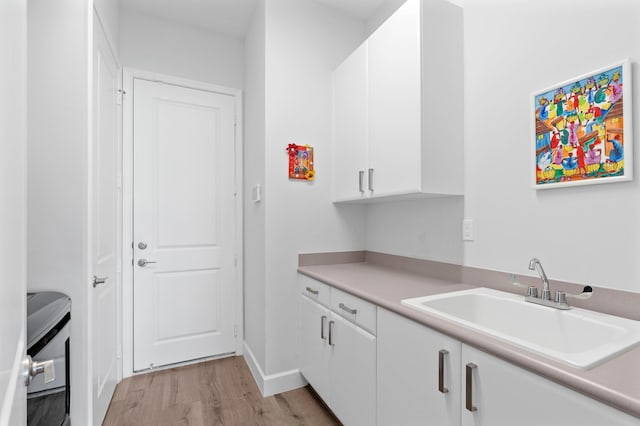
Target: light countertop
<point>615,382</point>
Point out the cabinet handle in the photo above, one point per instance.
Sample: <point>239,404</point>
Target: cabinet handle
<point>331,323</point>
<point>441,356</point>
<point>323,320</point>
<point>347,309</point>
<point>312,291</point>
<point>469,376</point>
<point>370,183</point>
<point>361,180</point>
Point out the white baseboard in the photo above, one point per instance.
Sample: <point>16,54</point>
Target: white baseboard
<point>273,383</point>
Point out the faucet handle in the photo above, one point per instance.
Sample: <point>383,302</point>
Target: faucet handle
<point>561,296</point>
<point>532,291</point>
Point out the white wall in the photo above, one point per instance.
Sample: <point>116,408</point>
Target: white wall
<point>13,138</point>
<point>150,44</point>
<point>304,43</point>
<point>109,15</point>
<point>422,228</point>
<point>58,130</point>
<point>254,174</point>
<point>583,234</point>
<point>386,9</point>
<point>586,234</point>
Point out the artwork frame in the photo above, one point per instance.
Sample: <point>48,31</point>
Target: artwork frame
<point>301,163</point>
<point>582,129</point>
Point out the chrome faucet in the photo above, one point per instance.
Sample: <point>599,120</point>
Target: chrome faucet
<point>536,265</point>
<point>560,300</point>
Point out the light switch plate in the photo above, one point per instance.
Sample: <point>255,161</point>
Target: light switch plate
<point>256,193</point>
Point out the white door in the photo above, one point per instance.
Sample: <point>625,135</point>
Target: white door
<point>105,229</point>
<point>13,36</point>
<point>184,224</point>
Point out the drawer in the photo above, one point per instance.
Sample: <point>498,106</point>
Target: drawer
<point>314,289</point>
<point>354,309</point>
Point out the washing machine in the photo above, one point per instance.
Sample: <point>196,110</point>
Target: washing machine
<point>48,331</point>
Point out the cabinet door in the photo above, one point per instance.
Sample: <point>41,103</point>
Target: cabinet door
<point>408,374</point>
<point>395,103</point>
<point>350,156</point>
<point>504,394</point>
<point>314,349</point>
<point>353,374</point>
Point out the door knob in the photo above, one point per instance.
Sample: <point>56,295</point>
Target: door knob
<point>31,369</point>
<point>99,280</point>
<point>144,262</point>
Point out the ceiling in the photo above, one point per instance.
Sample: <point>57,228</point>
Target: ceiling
<point>231,17</point>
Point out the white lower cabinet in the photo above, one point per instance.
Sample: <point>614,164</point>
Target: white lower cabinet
<point>352,374</point>
<point>338,356</point>
<point>496,393</point>
<point>314,350</point>
<point>504,394</point>
<point>410,389</point>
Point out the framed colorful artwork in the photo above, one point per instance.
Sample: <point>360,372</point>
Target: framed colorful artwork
<point>582,130</point>
<point>301,162</point>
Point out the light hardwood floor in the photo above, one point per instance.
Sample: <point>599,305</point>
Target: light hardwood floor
<point>220,392</point>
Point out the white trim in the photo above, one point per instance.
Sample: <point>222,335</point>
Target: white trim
<point>14,389</point>
<point>184,363</point>
<point>272,384</point>
<point>129,75</point>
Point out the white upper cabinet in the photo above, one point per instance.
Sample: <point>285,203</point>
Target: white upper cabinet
<point>395,104</point>
<point>350,126</point>
<point>398,108</point>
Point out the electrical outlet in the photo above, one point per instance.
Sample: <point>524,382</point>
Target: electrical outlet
<point>467,230</point>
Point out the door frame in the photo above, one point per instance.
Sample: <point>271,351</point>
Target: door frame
<point>98,27</point>
<point>129,75</point>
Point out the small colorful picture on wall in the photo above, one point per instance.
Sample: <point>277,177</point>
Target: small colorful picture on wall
<point>301,162</point>
<point>582,130</point>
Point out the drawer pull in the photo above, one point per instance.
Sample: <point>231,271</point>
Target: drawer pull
<point>441,356</point>
<point>312,291</point>
<point>361,181</point>
<point>347,309</point>
<point>370,182</point>
<point>331,323</point>
<point>469,397</point>
<point>323,321</point>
